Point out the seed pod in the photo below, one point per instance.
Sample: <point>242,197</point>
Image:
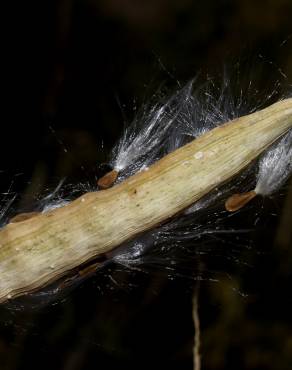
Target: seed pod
<point>44,248</point>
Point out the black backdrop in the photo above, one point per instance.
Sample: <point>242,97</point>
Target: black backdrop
<point>73,72</point>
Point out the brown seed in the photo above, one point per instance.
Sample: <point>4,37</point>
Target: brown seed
<point>89,269</point>
<point>108,179</point>
<point>23,216</point>
<point>237,201</point>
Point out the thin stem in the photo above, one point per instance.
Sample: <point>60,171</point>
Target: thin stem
<point>197,336</point>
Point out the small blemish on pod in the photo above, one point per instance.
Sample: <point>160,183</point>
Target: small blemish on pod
<point>210,153</point>
<point>199,155</point>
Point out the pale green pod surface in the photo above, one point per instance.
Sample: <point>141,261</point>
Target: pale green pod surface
<point>41,249</point>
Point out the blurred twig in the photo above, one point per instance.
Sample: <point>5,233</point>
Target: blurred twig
<point>197,337</point>
<point>284,233</point>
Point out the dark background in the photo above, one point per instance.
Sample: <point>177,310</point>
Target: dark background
<point>73,72</point>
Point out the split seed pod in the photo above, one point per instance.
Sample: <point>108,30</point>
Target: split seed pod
<point>42,249</point>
